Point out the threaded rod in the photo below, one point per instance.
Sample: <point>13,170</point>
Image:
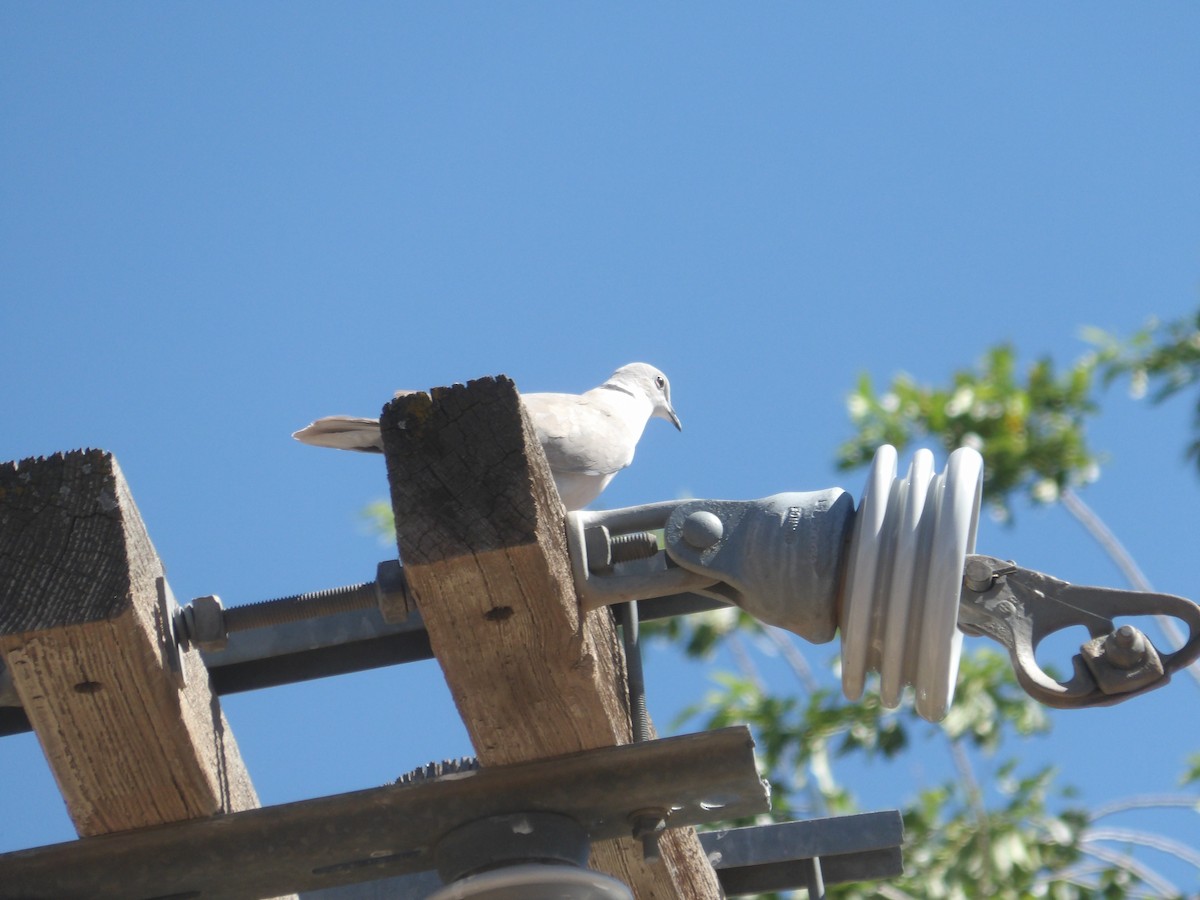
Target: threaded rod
<point>299,607</point>
<point>638,714</point>
<point>638,545</point>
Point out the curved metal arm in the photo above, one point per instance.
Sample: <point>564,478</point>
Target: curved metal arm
<point>1019,607</point>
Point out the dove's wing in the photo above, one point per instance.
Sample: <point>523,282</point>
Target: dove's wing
<point>583,434</point>
<point>578,436</point>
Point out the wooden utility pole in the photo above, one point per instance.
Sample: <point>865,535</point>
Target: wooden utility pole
<point>480,530</point>
<point>132,731</point>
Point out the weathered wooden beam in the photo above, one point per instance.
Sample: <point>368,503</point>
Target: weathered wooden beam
<point>85,636</point>
<point>480,531</point>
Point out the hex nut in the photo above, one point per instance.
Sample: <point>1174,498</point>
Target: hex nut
<point>1116,669</point>
<point>207,624</point>
<point>598,546</point>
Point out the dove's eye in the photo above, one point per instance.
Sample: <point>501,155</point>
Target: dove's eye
<point>660,381</point>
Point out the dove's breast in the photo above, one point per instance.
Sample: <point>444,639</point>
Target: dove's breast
<point>587,439</point>
<point>577,490</point>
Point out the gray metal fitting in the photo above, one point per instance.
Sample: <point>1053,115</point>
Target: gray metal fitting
<point>604,549</point>
<point>648,825</point>
<point>778,558</point>
<point>1123,661</point>
<point>204,621</point>
<point>1021,607</point>
<point>1126,647</point>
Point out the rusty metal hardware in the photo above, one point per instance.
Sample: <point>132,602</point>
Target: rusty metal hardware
<point>1020,607</point>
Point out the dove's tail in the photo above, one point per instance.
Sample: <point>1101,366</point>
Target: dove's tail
<point>343,433</point>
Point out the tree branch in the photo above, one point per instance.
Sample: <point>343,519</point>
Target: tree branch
<point>1126,862</point>
<point>1157,842</point>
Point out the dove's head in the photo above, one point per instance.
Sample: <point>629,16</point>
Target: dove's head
<point>647,381</point>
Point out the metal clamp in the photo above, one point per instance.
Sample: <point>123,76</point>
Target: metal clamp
<point>1020,607</point>
<point>778,558</point>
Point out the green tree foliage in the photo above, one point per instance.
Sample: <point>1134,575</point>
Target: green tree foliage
<point>1030,426</point>
<point>1161,360</point>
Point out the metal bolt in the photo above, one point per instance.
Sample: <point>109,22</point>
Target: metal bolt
<point>604,550</point>
<point>1005,608</point>
<point>1123,662</point>
<point>299,607</point>
<point>648,824</point>
<point>703,529</point>
<point>1125,648</point>
<point>977,575</point>
<point>205,623</point>
<point>597,543</point>
<point>639,545</point>
<point>639,715</point>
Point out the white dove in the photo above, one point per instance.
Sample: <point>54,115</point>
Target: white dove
<point>587,437</point>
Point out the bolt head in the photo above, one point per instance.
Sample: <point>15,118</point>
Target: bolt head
<point>977,575</point>
<point>598,544</point>
<point>1125,636</point>
<point>702,529</point>
<point>1125,648</point>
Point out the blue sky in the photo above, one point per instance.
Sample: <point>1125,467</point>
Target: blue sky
<point>219,221</point>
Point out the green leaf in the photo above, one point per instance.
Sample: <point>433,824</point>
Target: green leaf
<point>1031,431</point>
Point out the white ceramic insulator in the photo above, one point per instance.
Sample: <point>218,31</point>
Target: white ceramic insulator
<point>535,881</point>
<point>899,602</point>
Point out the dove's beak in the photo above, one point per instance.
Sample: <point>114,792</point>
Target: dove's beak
<point>674,419</point>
